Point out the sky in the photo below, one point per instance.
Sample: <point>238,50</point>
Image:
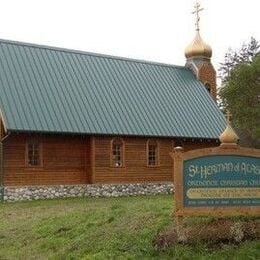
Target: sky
<point>153,30</point>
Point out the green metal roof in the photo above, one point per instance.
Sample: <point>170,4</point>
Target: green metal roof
<point>47,89</point>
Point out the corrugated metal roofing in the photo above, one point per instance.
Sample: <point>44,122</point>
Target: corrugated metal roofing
<point>49,89</point>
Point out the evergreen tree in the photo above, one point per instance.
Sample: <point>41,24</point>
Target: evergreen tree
<point>240,93</point>
<point>233,58</point>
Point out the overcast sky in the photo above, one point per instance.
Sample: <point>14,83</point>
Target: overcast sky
<point>156,30</point>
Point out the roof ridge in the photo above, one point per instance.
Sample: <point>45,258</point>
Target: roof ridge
<point>34,45</point>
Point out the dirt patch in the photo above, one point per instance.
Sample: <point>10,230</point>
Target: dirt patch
<point>215,233</point>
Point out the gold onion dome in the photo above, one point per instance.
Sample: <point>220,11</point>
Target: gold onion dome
<point>228,136</point>
<point>198,48</point>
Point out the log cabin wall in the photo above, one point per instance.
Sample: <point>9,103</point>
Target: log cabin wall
<point>189,145</point>
<point>64,160</point>
<point>1,152</point>
<point>1,129</point>
<point>135,167</point>
<point>80,160</point>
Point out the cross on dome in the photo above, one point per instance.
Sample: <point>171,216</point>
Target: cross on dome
<point>197,10</point>
<point>228,115</point>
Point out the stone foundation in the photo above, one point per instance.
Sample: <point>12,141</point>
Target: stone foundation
<point>86,190</point>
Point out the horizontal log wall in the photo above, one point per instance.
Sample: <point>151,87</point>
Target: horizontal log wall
<point>65,160</point>
<point>192,145</point>
<point>1,128</point>
<point>1,154</point>
<point>80,160</point>
<point>135,167</point>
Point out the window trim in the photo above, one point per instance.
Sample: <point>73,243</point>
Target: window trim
<point>122,153</point>
<point>27,154</point>
<point>156,142</point>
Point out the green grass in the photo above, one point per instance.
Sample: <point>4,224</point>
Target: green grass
<point>114,228</point>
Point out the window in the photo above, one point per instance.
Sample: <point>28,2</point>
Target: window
<point>152,153</point>
<point>117,152</point>
<point>178,142</point>
<point>33,153</point>
<point>207,85</point>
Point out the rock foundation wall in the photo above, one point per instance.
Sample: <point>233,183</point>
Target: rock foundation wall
<point>86,190</point>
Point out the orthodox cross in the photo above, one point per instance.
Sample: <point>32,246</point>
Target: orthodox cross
<point>228,115</point>
<point>197,10</point>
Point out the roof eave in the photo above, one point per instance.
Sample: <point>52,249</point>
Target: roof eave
<point>19,131</point>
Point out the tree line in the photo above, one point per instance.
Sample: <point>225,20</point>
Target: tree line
<point>240,91</point>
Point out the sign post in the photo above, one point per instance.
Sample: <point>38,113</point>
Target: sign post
<point>220,181</point>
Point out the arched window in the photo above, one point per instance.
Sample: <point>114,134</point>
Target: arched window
<point>117,152</point>
<point>178,142</point>
<point>152,153</point>
<point>33,153</point>
<point>208,87</point>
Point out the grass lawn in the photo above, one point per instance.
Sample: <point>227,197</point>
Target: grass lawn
<point>103,228</point>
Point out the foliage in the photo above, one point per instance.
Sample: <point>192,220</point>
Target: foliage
<point>232,58</point>
<point>240,92</point>
<point>99,228</point>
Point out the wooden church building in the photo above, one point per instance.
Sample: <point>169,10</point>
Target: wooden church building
<point>72,117</point>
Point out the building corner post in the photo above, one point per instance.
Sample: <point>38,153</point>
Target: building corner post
<point>1,172</point>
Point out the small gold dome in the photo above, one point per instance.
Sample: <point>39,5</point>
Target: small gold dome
<point>228,136</point>
<point>198,48</point>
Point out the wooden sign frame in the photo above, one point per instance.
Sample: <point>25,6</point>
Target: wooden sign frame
<point>179,157</point>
